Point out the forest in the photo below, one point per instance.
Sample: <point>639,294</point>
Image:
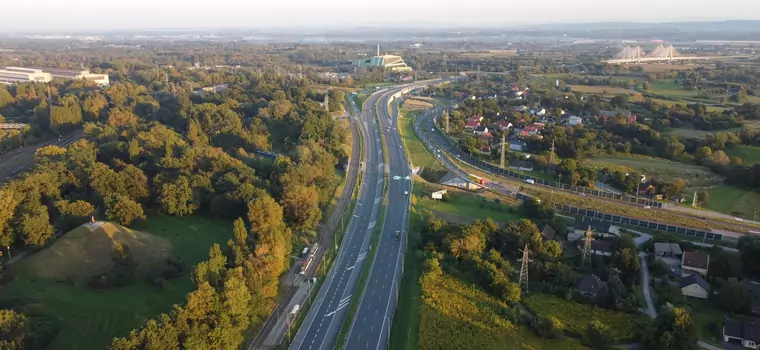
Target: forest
<point>151,148</point>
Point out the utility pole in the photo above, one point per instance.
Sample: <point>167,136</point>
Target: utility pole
<point>694,200</point>
<point>503,148</point>
<point>523,281</point>
<point>587,246</point>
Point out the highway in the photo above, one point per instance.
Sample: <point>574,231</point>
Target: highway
<point>371,325</point>
<point>325,318</point>
<point>13,162</point>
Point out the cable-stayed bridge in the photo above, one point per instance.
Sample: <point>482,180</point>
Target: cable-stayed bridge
<point>634,54</point>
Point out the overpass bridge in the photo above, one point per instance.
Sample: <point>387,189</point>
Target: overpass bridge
<point>634,54</point>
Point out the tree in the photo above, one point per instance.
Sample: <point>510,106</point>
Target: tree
<point>72,214</point>
<point>673,329</point>
<point>749,248</point>
<point>178,198</point>
<point>703,152</point>
<point>8,203</point>
<point>536,209</point>
<point>123,210</point>
<point>596,336</point>
<point>35,226</point>
<point>734,297</point>
<point>703,197</point>
<point>301,206</point>
<point>14,328</point>
<point>264,213</point>
<point>119,118</point>
<point>135,182</point>
<point>724,265</point>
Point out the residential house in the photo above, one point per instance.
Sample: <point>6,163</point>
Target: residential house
<point>480,130</point>
<point>667,249</point>
<point>754,289</point>
<point>590,286</point>
<point>517,145</point>
<point>628,117</point>
<point>548,233</point>
<point>694,262</point>
<point>575,121</point>
<point>598,247</point>
<point>472,122</point>
<point>485,149</point>
<point>454,180</point>
<point>695,286</point>
<point>598,227</point>
<point>746,333</point>
<point>503,125</point>
<point>539,111</point>
<point>524,165</point>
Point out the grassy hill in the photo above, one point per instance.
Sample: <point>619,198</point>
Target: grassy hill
<point>86,251</point>
<point>90,318</point>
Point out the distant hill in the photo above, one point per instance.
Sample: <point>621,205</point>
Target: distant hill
<point>707,30</point>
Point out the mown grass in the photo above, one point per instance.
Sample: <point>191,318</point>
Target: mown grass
<point>750,154</point>
<point>575,317</point>
<point>663,169</point>
<point>467,205</point>
<point>733,200</point>
<point>91,319</point>
<point>457,315</point>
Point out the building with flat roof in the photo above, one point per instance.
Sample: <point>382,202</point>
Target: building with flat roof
<point>43,73</point>
<point>15,75</point>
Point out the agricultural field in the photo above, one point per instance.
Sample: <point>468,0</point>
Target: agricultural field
<point>698,134</point>
<point>575,317</point>
<point>734,201</point>
<point>669,88</point>
<point>456,315</point>
<point>695,176</point>
<point>750,154</point>
<point>606,90</point>
<point>664,67</point>
<point>54,279</point>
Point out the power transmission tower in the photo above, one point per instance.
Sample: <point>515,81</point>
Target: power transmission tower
<point>503,148</point>
<point>551,157</point>
<point>587,246</point>
<point>523,281</point>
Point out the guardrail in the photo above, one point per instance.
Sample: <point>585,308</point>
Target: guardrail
<point>508,173</point>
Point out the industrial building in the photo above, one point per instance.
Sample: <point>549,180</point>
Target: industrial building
<point>13,75</point>
<point>391,62</point>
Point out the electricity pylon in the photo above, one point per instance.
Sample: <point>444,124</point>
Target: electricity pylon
<point>523,281</point>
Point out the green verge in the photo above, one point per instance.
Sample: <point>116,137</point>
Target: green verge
<point>329,257</point>
<point>343,334</point>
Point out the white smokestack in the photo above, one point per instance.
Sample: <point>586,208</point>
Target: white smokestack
<point>378,50</point>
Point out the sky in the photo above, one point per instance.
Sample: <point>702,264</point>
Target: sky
<point>105,15</point>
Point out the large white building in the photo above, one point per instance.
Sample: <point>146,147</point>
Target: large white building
<point>13,75</point>
<point>391,62</point>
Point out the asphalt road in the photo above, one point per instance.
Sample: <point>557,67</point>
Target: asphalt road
<point>325,317</point>
<point>13,162</point>
<point>371,325</point>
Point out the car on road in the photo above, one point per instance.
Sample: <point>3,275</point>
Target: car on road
<point>530,181</point>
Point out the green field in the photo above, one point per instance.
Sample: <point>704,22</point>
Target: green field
<point>461,205</point>
<point>733,200</point>
<point>695,176</point>
<point>416,151</point>
<point>750,154</point>
<point>575,317</point>
<point>90,319</point>
<point>456,315</point>
<point>698,134</point>
<point>670,88</point>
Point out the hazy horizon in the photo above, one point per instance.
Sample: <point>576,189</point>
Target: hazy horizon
<point>91,15</point>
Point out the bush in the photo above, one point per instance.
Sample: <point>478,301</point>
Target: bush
<point>547,327</point>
